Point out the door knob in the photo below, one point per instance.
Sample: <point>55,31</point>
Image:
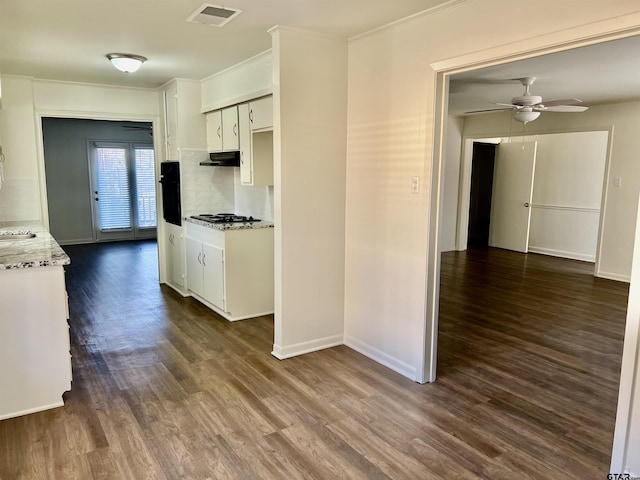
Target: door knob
<point>526,204</point>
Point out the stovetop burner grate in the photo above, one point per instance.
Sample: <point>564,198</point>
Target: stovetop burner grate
<point>224,218</point>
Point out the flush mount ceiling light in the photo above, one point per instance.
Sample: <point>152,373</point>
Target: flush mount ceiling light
<point>126,62</point>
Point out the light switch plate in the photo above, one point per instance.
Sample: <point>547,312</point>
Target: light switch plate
<point>415,185</point>
<point>617,182</point>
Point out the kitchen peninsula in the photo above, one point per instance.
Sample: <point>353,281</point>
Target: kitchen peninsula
<point>35,363</point>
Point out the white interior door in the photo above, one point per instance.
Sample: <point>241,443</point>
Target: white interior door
<point>512,195</point>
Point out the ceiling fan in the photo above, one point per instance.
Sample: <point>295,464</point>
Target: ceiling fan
<point>527,107</point>
<point>148,128</point>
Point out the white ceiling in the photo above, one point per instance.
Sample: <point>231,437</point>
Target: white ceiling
<point>603,73</point>
<point>68,39</point>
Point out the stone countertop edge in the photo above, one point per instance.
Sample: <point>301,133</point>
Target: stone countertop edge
<point>40,251</point>
<point>230,226</point>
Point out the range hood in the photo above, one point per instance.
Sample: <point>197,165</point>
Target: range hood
<point>223,159</point>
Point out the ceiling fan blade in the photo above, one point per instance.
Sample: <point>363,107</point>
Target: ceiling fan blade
<point>566,101</point>
<point>562,108</point>
<point>510,105</point>
<point>487,111</point>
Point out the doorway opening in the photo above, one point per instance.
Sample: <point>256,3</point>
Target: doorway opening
<point>79,154</point>
<point>434,267</point>
<point>481,193</point>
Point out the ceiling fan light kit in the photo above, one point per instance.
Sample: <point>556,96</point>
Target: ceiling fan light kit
<point>525,116</point>
<point>527,107</point>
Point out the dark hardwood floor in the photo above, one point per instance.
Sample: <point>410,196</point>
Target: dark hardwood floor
<point>164,388</point>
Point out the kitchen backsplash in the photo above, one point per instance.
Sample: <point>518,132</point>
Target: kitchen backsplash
<point>218,190</point>
<point>205,189</point>
<point>253,201</point>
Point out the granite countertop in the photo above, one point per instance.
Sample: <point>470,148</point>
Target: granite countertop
<point>230,226</point>
<point>40,251</point>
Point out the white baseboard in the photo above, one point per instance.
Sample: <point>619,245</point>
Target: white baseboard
<point>381,357</point>
<point>32,410</point>
<point>560,253</point>
<point>282,352</point>
<point>613,276</point>
<point>76,241</point>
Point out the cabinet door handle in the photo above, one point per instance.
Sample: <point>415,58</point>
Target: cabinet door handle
<point>219,132</point>
<point>251,115</point>
<point>235,129</point>
<point>203,262</point>
<point>200,258</point>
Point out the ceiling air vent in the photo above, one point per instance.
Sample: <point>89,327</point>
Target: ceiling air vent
<point>213,15</point>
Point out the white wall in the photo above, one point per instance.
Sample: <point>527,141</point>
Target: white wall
<point>19,193</point>
<point>620,207</point>
<point>390,87</point>
<point>310,100</point>
<point>84,100</point>
<point>567,193</point>
<point>239,83</point>
<point>452,158</point>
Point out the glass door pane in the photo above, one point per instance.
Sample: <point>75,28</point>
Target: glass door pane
<point>114,208</point>
<point>124,187</point>
<point>145,191</point>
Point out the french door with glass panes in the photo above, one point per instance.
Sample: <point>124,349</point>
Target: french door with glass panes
<point>124,190</point>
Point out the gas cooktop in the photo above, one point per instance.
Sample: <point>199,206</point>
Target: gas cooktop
<point>224,218</point>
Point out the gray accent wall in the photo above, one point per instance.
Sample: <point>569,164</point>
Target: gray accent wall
<point>67,171</point>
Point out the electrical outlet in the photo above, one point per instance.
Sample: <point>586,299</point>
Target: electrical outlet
<point>415,185</point>
<point>617,182</point>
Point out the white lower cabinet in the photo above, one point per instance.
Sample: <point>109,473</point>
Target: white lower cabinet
<point>35,362</point>
<point>205,274</point>
<point>231,270</point>
<point>175,271</point>
<point>213,274</point>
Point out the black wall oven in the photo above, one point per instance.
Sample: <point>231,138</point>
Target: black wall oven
<point>170,181</point>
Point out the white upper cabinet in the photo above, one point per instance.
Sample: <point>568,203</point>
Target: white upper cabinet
<point>184,126</point>
<point>171,121</point>
<point>256,151</point>
<point>230,130</point>
<point>261,113</point>
<point>223,131</point>
<point>214,131</point>
<point>246,167</point>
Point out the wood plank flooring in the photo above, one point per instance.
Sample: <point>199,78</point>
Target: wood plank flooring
<point>163,388</point>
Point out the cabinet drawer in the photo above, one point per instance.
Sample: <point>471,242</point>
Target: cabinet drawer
<point>205,234</point>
